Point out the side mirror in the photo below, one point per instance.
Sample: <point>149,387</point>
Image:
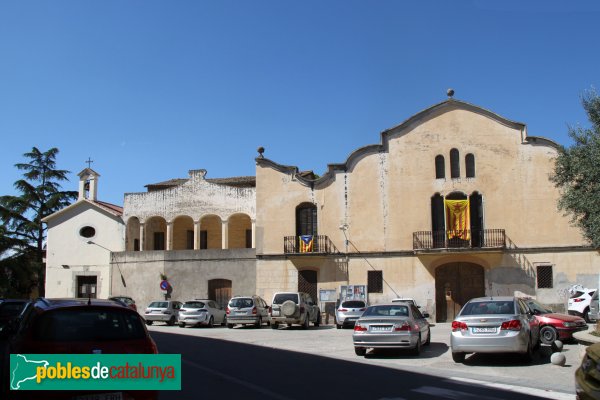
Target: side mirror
<point>426,315</point>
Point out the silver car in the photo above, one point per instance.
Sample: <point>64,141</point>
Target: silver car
<point>163,311</point>
<point>494,325</point>
<point>247,310</point>
<point>593,314</point>
<point>391,326</point>
<point>348,312</point>
<point>201,312</point>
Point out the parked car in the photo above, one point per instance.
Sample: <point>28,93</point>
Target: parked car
<point>586,376</point>
<point>128,301</point>
<point>348,312</point>
<point>247,310</point>
<point>391,326</point>
<point>594,309</point>
<point>10,310</point>
<point>555,326</point>
<point>201,312</point>
<point>163,311</point>
<point>579,302</point>
<point>81,326</point>
<point>494,325</point>
<point>294,308</point>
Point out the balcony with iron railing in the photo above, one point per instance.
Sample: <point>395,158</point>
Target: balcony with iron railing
<point>320,244</point>
<point>463,239</point>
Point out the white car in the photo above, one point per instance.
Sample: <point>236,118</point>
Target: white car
<point>579,302</point>
<point>201,312</point>
<point>406,300</point>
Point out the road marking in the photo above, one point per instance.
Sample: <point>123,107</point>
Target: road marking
<point>246,384</point>
<point>442,393</point>
<point>548,394</point>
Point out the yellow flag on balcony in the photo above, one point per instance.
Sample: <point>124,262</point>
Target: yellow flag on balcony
<point>306,243</point>
<point>458,219</point>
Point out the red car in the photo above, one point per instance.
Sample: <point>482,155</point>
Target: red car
<point>80,326</point>
<point>555,326</point>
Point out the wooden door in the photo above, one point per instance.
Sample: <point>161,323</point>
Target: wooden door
<point>219,290</point>
<point>455,284</point>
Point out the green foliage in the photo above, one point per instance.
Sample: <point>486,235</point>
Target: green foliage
<point>22,233</point>
<point>577,173</point>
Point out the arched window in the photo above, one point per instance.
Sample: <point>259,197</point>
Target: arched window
<point>470,165</point>
<point>440,169</point>
<point>454,164</point>
<point>306,219</point>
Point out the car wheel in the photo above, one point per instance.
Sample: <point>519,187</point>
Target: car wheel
<point>274,325</point>
<point>258,324</point>
<point>458,357</point>
<point>306,322</point>
<point>230,326</point>
<point>528,356</point>
<point>318,321</point>
<point>288,308</point>
<point>171,321</point>
<point>428,341</point>
<point>224,322</point>
<point>586,315</point>
<point>548,335</point>
<point>360,351</point>
<point>182,324</point>
<point>211,322</point>
<point>417,350</point>
<point>148,322</point>
<point>338,326</point>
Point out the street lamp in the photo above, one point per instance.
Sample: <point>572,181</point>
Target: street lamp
<point>111,252</point>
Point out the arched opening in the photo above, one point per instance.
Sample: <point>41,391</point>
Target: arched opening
<point>240,231</point>
<point>306,228</point>
<point>132,235</point>
<point>440,167</point>
<point>470,165</point>
<point>183,233</point>
<point>454,164</point>
<point>211,232</point>
<point>219,290</point>
<point>155,232</point>
<point>455,284</point>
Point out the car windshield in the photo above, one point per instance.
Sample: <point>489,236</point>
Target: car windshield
<point>387,311</point>
<point>281,298</point>
<point>539,307</point>
<point>193,304</point>
<point>353,304</point>
<point>577,293</point>
<point>489,307</point>
<point>159,304</point>
<point>125,300</point>
<point>241,303</point>
<point>10,309</point>
<point>89,324</point>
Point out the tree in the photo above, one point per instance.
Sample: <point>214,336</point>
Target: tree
<point>577,172</point>
<point>22,233</point>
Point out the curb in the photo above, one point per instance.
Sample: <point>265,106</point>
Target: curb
<point>585,337</point>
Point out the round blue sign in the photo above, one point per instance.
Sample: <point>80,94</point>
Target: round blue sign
<point>164,285</point>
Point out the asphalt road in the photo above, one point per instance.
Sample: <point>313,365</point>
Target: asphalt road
<point>320,363</point>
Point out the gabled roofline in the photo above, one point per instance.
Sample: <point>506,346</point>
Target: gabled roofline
<point>112,209</point>
<point>382,146</point>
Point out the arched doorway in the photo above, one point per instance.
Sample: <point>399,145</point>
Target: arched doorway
<point>455,284</point>
<point>219,290</point>
<point>307,282</point>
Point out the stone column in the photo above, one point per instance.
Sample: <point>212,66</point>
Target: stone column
<point>253,233</point>
<point>142,235</point>
<point>169,244</point>
<point>224,235</point>
<point>197,235</point>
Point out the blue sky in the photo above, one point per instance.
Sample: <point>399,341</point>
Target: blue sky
<point>151,89</point>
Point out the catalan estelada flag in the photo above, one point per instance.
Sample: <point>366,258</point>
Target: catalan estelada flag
<point>306,243</point>
<point>458,219</point>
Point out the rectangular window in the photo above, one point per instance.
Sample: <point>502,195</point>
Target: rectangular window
<point>375,281</point>
<point>190,240</point>
<point>203,239</point>
<point>159,240</point>
<point>544,277</point>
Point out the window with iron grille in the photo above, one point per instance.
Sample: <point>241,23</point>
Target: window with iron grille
<point>375,281</point>
<point>544,277</point>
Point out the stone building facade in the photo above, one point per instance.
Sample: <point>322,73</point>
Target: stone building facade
<point>453,203</point>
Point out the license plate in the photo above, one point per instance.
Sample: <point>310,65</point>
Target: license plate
<point>240,312</point>
<point>483,330</point>
<point>276,313</point>
<point>381,329</point>
<point>101,396</point>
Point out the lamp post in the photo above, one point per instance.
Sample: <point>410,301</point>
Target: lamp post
<point>110,267</point>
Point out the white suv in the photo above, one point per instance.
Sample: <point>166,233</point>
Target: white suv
<point>579,302</point>
<point>294,308</point>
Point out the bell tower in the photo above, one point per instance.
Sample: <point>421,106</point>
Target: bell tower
<point>88,184</point>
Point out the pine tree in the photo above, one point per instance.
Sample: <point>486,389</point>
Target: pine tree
<point>22,233</point>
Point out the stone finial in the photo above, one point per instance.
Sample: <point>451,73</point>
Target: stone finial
<point>260,150</point>
<point>450,93</point>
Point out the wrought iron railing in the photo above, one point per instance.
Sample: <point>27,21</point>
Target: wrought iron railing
<point>320,244</point>
<point>476,238</point>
